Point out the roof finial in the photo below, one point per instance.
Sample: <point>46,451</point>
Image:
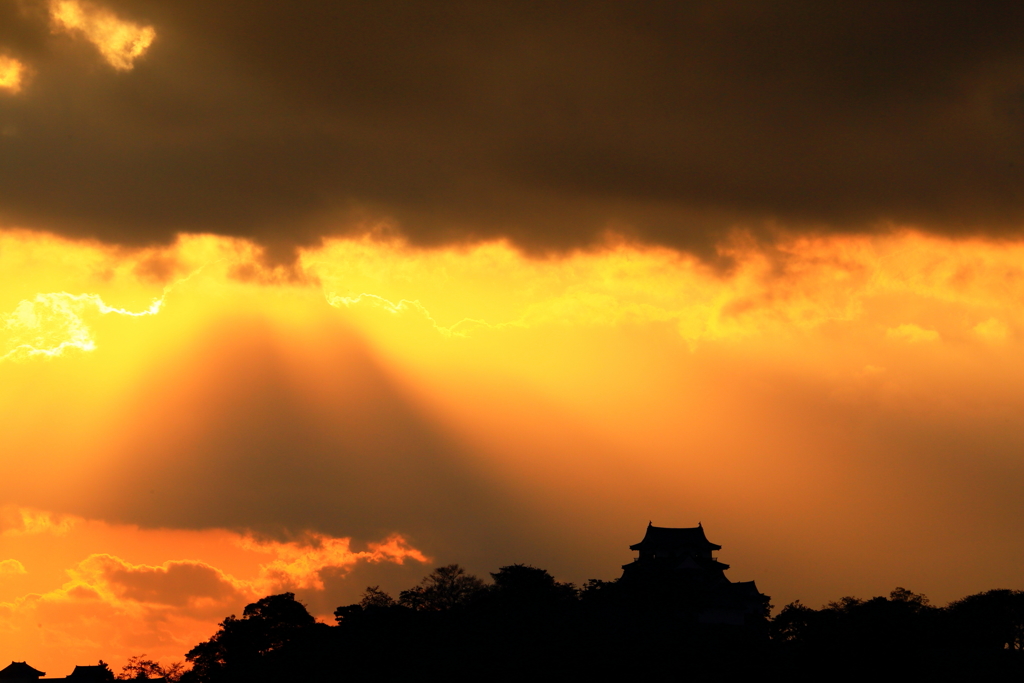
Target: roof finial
<point>700,525</point>
<point>650,523</point>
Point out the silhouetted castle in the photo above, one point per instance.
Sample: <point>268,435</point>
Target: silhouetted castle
<point>680,561</point>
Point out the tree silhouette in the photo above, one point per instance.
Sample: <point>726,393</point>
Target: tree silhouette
<point>993,620</point>
<point>254,647</point>
<point>376,606</point>
<point>794,624</point>
<point>139,668</point>
<point>375,598</point>
<point>520,586</point>
<point>443,589</point>
<point>452,625</point>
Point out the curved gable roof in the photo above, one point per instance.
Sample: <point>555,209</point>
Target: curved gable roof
<point>670,538</point>
<point>20,670</point>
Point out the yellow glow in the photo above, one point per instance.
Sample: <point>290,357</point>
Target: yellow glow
<point>12,72</point>
<point>51,324</point>
<point>120,42</point>
<point>465,292</point>
<point>25,521</point>
<point>993,329</point>
<point>11,567</point>
<point>803,285</point>
<point>822,387</point>
<point>912,333</point>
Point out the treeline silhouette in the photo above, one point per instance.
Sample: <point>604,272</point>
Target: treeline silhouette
<point>526,624</point>
<point>977,636</point>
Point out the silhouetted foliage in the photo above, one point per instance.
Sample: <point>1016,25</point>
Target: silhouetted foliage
<point>272,639</point>
<point>139,668</point>
<point>993,620</point>
<point>375,598</point>
<point>524,622</point>
<point>174,671</point>
<point>443,589</point>
<point>905,633</point>
<point>520,585</point>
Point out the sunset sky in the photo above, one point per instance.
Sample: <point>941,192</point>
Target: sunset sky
<point>313,296</point>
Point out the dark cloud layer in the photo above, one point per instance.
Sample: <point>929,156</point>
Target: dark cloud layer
<point>547,122</point>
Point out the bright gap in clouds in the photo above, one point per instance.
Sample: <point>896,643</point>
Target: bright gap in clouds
<point>819,399</point>
<point>800,286</point>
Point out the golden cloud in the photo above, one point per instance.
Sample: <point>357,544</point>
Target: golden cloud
<point>12,74</point>
<point>912,333</point>
<point>19,521</point>
<point>11,568</point>
<point>795,285</point>
<point>178,583</point>
<point>491,287</point>
<point>120,42</point>
<point>301,564</point>
<point>993,330</point>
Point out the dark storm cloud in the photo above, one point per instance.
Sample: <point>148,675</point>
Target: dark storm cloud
<point>547,122</point>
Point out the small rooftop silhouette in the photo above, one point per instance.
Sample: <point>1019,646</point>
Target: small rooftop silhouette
<point>20,671</point>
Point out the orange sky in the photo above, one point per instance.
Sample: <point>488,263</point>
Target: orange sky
<point>187,429</point>
<point>314,296</point>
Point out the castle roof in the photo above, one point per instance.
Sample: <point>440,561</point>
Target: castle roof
<point>20,671</point>
<point>91,672</point>
<point>663,538</point>
<point>746,588</point>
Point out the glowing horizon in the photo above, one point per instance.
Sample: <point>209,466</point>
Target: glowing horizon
<point>634,383</point>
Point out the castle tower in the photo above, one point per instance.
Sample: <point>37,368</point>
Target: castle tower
<point>666,550</point>
<point>681,560</point>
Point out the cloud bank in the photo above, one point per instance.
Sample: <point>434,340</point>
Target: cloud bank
<point>64,606</point>
<point>547,125</point>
